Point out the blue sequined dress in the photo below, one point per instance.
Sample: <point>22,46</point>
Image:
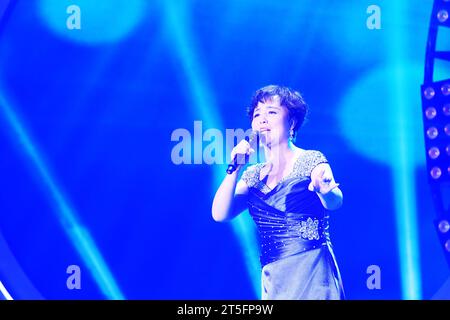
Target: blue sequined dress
<point>297,259</point>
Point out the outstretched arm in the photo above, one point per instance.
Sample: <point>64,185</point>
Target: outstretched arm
<point>322,182</point>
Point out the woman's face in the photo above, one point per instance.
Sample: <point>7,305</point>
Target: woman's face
<point>271,120</point>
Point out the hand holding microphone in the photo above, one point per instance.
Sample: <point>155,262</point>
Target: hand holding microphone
<point>241,152</point>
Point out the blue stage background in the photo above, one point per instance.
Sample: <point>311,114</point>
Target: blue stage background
<point>85,142</point>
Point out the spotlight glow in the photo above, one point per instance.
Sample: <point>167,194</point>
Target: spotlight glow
<point>102,21</point>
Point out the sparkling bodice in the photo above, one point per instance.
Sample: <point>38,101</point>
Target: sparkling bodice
<point>290,218</point>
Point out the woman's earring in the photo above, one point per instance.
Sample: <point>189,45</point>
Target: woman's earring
<point>291,134</point>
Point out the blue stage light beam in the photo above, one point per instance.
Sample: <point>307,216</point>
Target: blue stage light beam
<point>177,24</point>
<point>79,236</point>
<point>389,127</point>
<point>405,151</point>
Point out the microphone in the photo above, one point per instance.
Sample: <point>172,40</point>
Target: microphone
<point>232,166</point>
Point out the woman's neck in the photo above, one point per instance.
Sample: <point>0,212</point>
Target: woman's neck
<point>277,155</point>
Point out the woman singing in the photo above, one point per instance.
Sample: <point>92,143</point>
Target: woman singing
<point>289,197</point>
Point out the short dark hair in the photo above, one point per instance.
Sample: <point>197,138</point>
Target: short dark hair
<point>289,98</point>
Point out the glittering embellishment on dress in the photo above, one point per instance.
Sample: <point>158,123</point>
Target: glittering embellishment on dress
<point>306,162</point>
<point>251,175</point>
<point>309,229</point>
<point>303,166</point>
